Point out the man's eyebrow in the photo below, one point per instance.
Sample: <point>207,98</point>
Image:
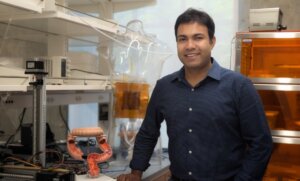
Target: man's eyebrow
<point>194,35</point>
<point>199,34</point>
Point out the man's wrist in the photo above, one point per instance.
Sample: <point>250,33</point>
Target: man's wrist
<point>137,173</point>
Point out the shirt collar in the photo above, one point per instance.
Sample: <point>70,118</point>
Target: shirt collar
<point>214,72</point>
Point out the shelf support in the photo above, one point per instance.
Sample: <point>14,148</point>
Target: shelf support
<point>39,120</point>
<point>37,68</point>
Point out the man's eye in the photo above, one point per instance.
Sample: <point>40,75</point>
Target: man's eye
<point>181,39</point>
<point>198,38</point>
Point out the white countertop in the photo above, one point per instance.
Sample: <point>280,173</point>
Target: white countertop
<point>100,178</point>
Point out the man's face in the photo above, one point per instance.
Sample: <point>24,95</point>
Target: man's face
<point>194,46</point>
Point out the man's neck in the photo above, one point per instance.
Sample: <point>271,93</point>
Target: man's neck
<point>196,75</point>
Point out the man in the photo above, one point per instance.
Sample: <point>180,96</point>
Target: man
<point>215,120</point>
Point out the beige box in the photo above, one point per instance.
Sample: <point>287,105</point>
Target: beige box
<point>265,19</point>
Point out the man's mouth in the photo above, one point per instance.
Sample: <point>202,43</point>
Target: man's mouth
<point>191,55</point>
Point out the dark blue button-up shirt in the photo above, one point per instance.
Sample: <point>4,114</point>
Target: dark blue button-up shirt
<point>217,130</point>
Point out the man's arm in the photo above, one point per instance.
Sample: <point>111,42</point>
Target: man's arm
<point>148,134</point>
<point>256,133</point>
<point>135,175</point>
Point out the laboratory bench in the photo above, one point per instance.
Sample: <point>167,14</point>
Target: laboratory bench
<point>156,171</point>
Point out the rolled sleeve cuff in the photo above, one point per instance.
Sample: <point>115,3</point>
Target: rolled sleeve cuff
<point>138,165</point>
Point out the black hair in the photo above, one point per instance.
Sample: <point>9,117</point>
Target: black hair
<point>193,15</point>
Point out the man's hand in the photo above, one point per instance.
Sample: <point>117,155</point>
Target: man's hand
<point>135,175</point>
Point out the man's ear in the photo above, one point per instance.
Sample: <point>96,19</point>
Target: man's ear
<point>213,42</point>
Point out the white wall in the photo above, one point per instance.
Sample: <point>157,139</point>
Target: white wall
<point>83,115</point>
<point>160,18</point>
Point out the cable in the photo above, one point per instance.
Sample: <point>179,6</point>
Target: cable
<point>116,40</point>
<point>21,161</point>
<point>21,118</point>
<point>85,71</point>
<point>58,154</point>
<point>63,118</point>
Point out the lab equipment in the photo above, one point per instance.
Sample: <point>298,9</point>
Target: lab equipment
<point>36,66</point>
<point>93,158</point>
<point>265,19</point>
<point>271,61</point>
<point>136,66</point>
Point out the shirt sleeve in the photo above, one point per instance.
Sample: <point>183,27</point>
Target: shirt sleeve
<point>255,131</point>
<point>148,134</point>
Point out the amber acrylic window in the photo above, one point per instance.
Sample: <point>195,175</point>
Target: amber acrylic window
<point>282,109</point>
<point>283,113</point>
<point>274,58</point>
<point>131,99</point>
<point>271,57</point>
<point>284,164</point>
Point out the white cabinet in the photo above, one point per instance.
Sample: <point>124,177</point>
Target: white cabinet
<point>42,28</point>
<point>20,6</point>
<point>48,29</point>
<point>37,28</point>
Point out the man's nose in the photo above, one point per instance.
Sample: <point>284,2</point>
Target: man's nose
<point>190,44</point>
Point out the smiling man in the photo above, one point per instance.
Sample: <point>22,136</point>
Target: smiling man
<point>215,120</point>
<point>194,46</point>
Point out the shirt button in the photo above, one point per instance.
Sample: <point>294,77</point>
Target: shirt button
<point>190,130</point>
<point>190,109</point>
<point>190,152</point>
<point>193,90</point>
<point>190,173</point>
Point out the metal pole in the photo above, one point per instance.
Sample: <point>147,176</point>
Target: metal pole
<point>39,120</point>
<point>111,127</point>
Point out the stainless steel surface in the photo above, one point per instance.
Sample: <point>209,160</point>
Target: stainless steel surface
<point>279,80</point>
<point>238,56</point>
<point>286,136</point>
<point>279,84</point>
<point>286,140</point>
<point>287,133</point>
<point>277,87</point>
<point>39,121</point>
<point>268,35</point>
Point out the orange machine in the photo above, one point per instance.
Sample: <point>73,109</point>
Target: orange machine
<point>272,61</point>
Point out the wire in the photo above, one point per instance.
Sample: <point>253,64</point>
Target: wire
<point>21,161</point>
<point>21,118</point>
<point>63,118</point>
<point>59,155</point>
<point>85,71</point>
<point>118,41</point>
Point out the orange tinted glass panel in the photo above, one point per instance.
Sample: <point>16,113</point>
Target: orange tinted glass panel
<point>282,109</point>
<point>271,57</point>
<point>131,99</point>
<point>284,163</point>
